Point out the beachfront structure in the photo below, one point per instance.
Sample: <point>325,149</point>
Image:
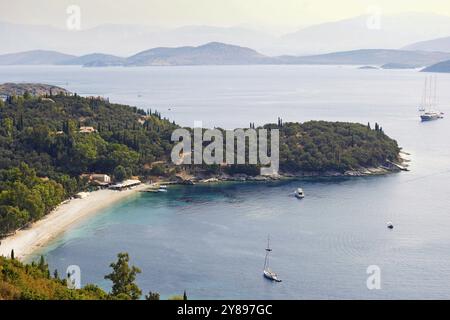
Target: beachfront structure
<point>125,184</point>
<point>99,178</point>
<point>82,195</point>
<point>87,130</point>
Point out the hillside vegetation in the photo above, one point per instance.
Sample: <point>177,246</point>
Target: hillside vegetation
<point>319,146</point>
<point>19,281</point>
<point>43,153</point>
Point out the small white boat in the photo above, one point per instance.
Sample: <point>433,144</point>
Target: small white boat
<point>269,274</point>
<point>162,188</point>
<point>390,225</point>
<point>299,193</point>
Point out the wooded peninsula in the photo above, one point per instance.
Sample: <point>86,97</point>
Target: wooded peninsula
<point>49,143</point>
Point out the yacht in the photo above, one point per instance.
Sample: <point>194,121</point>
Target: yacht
<point>428,107</point>
<point>299,193</point>
<point>431,115</point>
<point>269,274</point>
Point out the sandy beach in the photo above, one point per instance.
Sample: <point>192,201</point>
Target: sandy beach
<point>26,241</point>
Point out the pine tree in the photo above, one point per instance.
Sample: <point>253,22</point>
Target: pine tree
<point>43,266</point>
<point>123,278</point>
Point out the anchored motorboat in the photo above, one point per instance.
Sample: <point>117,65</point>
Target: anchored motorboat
<point>299,193</point>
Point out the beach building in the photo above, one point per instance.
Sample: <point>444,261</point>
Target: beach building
<point>100,179</point>
<point>87,130</point>
<point>125,184</point>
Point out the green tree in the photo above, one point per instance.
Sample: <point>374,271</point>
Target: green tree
<point>157,170</point>
<point>42,265</point>
<point>152,296</point>
<point>123,278</point>
<point>120,173</point>
<point>6,127</point>
<point>27,95</point>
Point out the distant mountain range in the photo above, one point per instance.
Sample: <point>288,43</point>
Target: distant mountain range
<point>377,57</point>
<point>213,53</point>
<point>389,32</point>
<point>440,44</point>
<point>35,57</point>
<point>216,53</point>
<point>392,32</point>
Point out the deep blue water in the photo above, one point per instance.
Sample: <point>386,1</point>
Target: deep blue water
<point>210,240</point>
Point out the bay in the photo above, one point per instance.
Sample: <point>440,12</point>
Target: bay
<point>210,240</point>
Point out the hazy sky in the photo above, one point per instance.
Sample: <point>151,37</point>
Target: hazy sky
<point>269,14</point>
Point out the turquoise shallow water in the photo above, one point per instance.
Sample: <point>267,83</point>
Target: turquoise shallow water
<point>210,240</point>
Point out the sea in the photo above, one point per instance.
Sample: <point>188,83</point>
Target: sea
<point>210,240</point>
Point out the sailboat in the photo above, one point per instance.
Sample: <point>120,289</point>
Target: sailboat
<point>429,103</point>
<point>269,274</point>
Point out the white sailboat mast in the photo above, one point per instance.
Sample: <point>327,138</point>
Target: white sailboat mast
<point>266,261</point>
<point>430,93</point>
<point>435,92</point>
<point>424,95</point>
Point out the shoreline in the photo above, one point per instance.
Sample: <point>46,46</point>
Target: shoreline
<point>26,241</point>
<point>362,172</point>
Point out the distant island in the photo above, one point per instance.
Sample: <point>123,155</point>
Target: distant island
<point>49,144</point>
<point>436,45</point>
<point>443,67</point>
<point>373,57</point>
<point>398,66</point>
<point>216,53</point>
<point>35,89</point>
<point>368,68</point>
